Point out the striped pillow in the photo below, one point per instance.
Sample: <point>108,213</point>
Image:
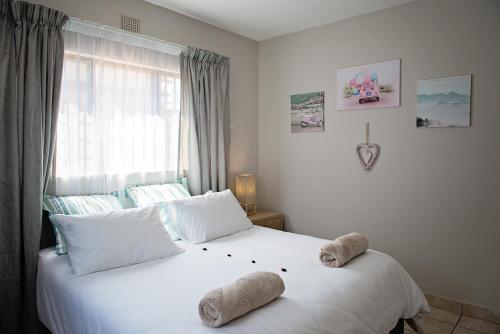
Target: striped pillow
<point>160,194</point>
<point>73,205</point>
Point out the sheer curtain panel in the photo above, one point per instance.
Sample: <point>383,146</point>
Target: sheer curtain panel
<point>119,112</point>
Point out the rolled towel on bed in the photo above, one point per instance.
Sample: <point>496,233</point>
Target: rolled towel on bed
<point>252,291</point>
<point>343,249</point>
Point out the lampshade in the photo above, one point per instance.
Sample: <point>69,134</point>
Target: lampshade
<point>246,192</point>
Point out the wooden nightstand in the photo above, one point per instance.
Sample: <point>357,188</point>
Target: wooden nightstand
<point>268,219</point>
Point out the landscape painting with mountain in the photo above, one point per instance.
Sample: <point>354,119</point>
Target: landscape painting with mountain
<point>307,112</point>
<point>444,102</point>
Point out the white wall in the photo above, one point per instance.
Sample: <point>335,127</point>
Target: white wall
<point>173,27</point>
<point>432,200</point>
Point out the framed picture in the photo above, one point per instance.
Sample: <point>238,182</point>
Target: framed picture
<point>307,112</point>
<point>369,86</point>
<point>444,102</point>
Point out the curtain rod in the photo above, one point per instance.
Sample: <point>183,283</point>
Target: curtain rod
<point>174,47</point>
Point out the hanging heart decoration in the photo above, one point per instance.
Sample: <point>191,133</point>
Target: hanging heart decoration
<point>367,154</point>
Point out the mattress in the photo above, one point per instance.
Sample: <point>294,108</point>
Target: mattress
<point>366,296</point>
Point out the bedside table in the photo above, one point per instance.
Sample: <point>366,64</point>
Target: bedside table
<point>268,219</point>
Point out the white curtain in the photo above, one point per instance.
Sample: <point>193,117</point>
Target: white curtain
<point>119,111</point>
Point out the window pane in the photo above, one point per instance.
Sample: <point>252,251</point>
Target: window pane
<point>116,118</point>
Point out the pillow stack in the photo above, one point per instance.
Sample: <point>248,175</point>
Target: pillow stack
<point>106,240</point>
<point>72,205</point>
<point>207,217</point>
<point>160,195</point>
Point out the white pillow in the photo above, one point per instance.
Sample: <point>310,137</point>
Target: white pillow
<point>105,240</point>
<point>206,217</point>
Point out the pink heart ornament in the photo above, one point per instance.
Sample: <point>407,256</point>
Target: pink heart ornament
<point>367,154</point>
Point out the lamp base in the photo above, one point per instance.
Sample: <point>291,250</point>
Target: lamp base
<point>250,208</point>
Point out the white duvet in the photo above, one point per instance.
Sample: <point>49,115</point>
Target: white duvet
<point>366,296</point>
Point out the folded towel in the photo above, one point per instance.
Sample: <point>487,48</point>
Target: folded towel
<point>343,249</point>
<point>252,291</point>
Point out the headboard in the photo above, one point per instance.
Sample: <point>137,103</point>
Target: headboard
<point>48,237</point>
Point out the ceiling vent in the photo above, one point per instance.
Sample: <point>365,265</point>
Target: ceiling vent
<point>130,24</point>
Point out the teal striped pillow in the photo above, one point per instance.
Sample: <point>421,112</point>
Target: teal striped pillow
<point>73,205</point>
<point>160,194</point>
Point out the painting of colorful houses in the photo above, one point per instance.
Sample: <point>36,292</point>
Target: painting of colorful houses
<point>369,86</point>
<point>307,112</point>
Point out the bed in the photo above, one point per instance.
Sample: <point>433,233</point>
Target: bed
<point>368,295</point>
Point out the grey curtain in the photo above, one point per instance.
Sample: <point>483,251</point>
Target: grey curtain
<point>204,139</point>
<point>31,58</point>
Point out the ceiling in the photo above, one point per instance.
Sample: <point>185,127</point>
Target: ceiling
<point>264,19</point>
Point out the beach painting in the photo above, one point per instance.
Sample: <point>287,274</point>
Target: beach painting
<point>307,112</point>
<point>369,86</point>
<point>444,102</point>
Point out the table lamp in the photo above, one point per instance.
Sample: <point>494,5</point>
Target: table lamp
<point>246,193</point>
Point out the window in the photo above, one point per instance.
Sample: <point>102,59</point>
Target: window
<point>118,116</point>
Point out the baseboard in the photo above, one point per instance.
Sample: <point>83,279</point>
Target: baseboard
<point>470,310</point>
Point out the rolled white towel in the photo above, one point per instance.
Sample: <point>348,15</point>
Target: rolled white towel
<point>252,291</point>
<point>343,249</point>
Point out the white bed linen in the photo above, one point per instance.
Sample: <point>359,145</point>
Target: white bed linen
<point>366,296</point>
